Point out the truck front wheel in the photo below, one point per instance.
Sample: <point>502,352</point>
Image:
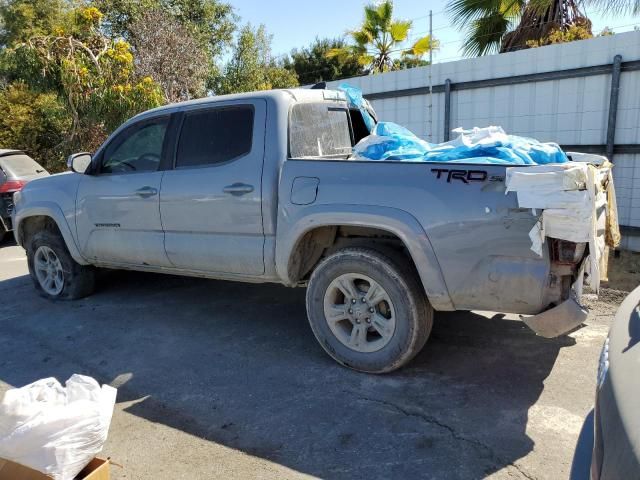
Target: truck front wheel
<point>55,274</point>
<point>368,309</point>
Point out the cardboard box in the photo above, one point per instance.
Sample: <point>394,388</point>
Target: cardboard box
<point>98,469</point>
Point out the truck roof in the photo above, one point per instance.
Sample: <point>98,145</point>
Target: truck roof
<point>289,94</point>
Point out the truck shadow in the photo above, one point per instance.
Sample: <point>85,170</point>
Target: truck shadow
<point>237,364</point>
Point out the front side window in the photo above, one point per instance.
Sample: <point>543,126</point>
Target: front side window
<point>215,136</point>
<point>137,149</point>
<point>318,130</point>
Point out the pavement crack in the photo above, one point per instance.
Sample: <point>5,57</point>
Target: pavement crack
<point>454,434</point>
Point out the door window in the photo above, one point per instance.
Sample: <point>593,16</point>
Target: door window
<point>214,136</point>
<point>137,149</point>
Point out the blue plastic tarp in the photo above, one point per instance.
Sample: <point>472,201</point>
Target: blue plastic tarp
<point>389,141</point>
<point>355,98</point>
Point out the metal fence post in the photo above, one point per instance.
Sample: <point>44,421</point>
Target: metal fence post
<point>613,105</point>
<point>447,109</point>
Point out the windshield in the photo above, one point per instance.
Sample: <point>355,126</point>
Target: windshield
<point>20,165</point>
<point>319,130</point>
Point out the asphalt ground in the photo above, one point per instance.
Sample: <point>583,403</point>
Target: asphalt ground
<point>225,380</point>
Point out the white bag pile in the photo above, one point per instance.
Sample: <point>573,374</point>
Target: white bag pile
<point>53,429</point>
<point>574,205</point>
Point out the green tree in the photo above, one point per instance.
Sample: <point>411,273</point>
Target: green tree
<point>89,74</point>
<point>378,41</point>
<point>73,70</point>
<point>212,20</point>
<point>211,23</point>
<point>22,19</point>
<point>96,74</point>
<point>620,7</point>
<point>405,62</point>
<point>171,55</point>
<point>312,65</point>
<point>120,15</point>
<point>34,122</point>
<point>251,66</point>
<point>577,31</point>
<point>498,26</point>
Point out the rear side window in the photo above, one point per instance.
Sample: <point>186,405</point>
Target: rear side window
<point>20,165</point>
<point>215,136</point>
<point>318,130</point>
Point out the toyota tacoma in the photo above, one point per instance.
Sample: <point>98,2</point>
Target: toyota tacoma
<point>262,187</point>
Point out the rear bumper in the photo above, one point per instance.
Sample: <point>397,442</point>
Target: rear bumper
<point>558,320</point>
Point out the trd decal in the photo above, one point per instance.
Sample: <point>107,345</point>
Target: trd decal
<point>464,176</point>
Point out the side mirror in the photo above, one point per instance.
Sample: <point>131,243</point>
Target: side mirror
<point>79,162</point>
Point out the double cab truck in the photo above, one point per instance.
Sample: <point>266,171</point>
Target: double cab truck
<point>262,187</point>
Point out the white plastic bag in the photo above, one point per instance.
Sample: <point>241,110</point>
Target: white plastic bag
<point>53,429</point>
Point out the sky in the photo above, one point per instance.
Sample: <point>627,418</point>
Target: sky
<point>295,23</point>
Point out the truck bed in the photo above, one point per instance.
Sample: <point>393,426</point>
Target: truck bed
<point>479,235</point>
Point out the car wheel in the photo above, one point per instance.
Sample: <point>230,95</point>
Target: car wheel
<point>55,274</point>
<point>368,309</point>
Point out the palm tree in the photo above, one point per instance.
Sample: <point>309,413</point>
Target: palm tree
<point>507,25</point>
<point>377,42</point>
<point>619,7</point>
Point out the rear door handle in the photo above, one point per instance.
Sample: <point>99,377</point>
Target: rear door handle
<point>238,189</point>
<point>146,192</point>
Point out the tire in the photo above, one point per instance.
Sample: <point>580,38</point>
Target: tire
<point>374,337</point>
<point>77,281</point>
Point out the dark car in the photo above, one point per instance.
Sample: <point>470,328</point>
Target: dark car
<point>609,444</point>
<point>16,169</point>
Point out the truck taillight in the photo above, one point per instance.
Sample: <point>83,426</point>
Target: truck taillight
<point>12,186</point>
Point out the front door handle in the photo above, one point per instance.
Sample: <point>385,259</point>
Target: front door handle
<point>238,189</point>
<point>146,192</point>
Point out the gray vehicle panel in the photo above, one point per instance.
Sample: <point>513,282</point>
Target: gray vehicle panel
<point>468,239</point>
<point>118,203</point>
<point>295,221</point>
<point>115,225</point>
<point>53,196</point>
<point>206,227</point>
<point>479,235</point>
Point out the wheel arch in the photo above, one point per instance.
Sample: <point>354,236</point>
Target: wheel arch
<point>35,218</point>
<point>318,231</point>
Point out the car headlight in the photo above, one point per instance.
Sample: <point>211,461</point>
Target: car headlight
<point>603,363</point>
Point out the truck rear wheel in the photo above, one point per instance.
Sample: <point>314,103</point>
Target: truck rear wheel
<point>368,310</point>
<point>55,274</point>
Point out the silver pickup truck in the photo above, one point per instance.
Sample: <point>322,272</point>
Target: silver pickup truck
<point>260,187</point>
